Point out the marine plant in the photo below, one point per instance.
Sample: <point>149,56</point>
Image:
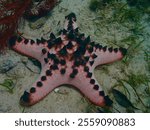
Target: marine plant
<point>40,9</point>
<point>97,4</point>
<point>10,13</point>
<point>134,81</point>
<point>8,84</point>
<point>129,17</point>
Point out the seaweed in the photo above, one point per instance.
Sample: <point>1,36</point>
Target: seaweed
<point>131,18</point>
<point>10,14</point>
<point>8,84</point>
<point>23,110</point>
<point>98,4</point>
<point>135,80</point>
<point>132,49</point>
<point>147,57</point>
<point>139,3</point>
<point>126,14</point>
<point>42,8</point>
<point>94,5</point>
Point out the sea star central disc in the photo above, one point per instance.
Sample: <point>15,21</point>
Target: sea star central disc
<point>67,59</point>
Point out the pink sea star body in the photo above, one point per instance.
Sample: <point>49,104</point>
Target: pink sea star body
<point>67,59</point>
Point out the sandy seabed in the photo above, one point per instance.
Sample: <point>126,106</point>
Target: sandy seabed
<point>64,98</point>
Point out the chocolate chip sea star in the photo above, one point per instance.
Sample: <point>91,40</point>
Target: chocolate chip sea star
<point>67,59</point>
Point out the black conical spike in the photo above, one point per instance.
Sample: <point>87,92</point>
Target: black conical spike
<point>38,41</point>
<point>62,62</point>
<point>101,93</point>
<point>44,51</point>
<point>52,36</point>
<point>26,41</point>
<point>104,48</point>
<point>62,71</point>
<point>48,73</point>
<point>92,81</point>
<point>70,16</point>
<point>12,41</point>
<point>79,41</point>
<point>97,46</point>
<point>50,44</point>
<point>100,46</point>
<point>69,45</point>
<point>43,40</point>
<point>93,44</point>
<point>89,74</point>
<point>77,54</point>
<point>77,62</point>
<point>58,40</point>
<point>19,39</point>
<point>110,49</point>
<point>82,62</point>
<point>43,78</point>
<point>108,101</point>
<point>25,97</point>
<point>82,36</point>
<point>91,63</point>
<point>75,71</point>
<point>63,51</point>
<point>71,35</point>
<point>94,56</point>
<point>82,50</point>
<point>39,84</point>
<point>54,67</point>
<point>56,60</point>
<point>96,87</point>
<point>87,40</point>
<point>46,60</point>
<point>116,50</point>
<point>76,30</point>
<point>64,31</point>
<point>87,58</point>
<point>123,51</point>
<point>32,42</point>
<point>52,56</point>
<point>70,27</point>
<point>86,69</point>
<point>90,50</point>
<point>32,90</point>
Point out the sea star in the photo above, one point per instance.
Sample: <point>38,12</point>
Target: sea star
<point>67,59</point>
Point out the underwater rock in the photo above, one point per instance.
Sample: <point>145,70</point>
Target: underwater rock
<point>39,9</point>
<point>7,62</point>
<point>38,23</point>
<point>6,66</point>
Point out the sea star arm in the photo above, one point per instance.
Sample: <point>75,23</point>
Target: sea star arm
<point>88,85</point>
<point>47,81</point>
<point>104,55</point>
<point>70,22</point>
<point>28,47</point>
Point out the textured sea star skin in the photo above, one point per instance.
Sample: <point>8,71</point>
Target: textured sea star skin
<point>67,59</point>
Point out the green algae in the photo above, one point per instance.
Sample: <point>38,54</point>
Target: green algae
<point>98,4</point>
<point>131,16</point>
<point>8,84</point>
